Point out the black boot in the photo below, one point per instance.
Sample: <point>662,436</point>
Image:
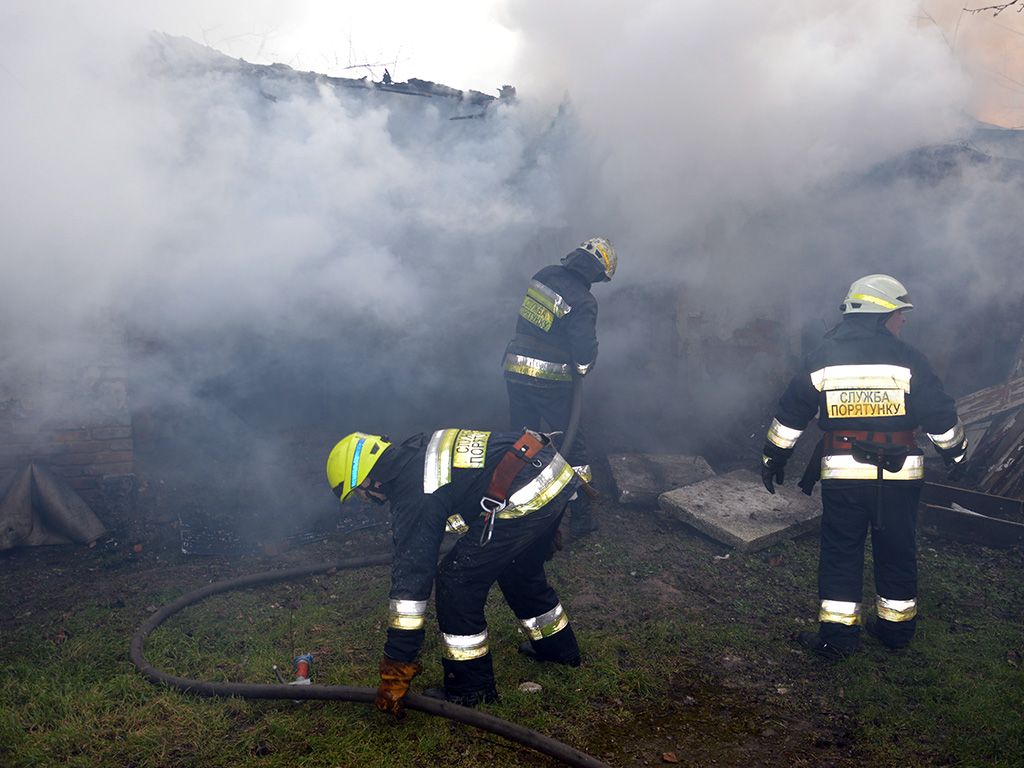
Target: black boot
<point>812,642</point>
<point>464,698</point>
<point>893,635</point>
<point>581,519</point>
<point>559,648</point>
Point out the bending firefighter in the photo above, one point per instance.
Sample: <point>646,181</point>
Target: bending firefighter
<point>504,493</point>
<point>871,391</point>
<point>556,340</point>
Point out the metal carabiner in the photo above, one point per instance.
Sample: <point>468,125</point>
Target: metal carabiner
<point>491,508</point>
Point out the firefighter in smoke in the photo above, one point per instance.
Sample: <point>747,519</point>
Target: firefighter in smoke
<point>504,494</point>
<point>555,340</point>
<point>871,391</point>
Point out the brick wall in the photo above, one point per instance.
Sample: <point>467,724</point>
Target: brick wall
<point>85,437</point>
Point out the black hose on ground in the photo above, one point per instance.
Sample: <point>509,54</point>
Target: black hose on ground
<point>517,733</point>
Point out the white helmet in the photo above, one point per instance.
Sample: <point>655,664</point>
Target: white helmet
<point>604,252</point>
<point>876,294</point>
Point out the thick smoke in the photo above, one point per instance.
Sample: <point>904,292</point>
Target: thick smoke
<point>277,256</point>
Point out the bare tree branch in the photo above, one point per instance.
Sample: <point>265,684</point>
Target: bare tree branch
<point>997,8</point>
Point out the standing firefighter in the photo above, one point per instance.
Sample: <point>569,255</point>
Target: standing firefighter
<point>871,391</point>
<point>555,340</point>
<point>504,493</point>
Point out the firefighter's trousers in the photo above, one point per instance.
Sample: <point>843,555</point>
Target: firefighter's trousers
<point>544,409</point>
<point>848,512</point>
<point>514,558</point>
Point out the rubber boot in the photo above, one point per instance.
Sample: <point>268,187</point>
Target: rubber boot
<point>582,521</point>
<point>894,635</point>
<point>471,682</point>
<point>812,642</point>
<point>465,699</point>
<point>559,648</point>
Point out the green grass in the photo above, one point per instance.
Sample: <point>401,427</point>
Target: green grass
<point>685,651</point>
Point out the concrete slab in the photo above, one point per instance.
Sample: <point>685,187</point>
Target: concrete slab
<point>736,510</point>
<point>641,477</point>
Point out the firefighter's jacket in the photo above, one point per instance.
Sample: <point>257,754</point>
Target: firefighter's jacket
<point>864,379</point>
<point>435,486</point>
<point>556,332</point>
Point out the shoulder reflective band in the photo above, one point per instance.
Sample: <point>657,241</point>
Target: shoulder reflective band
<point>781,435</point>
<point>464,647</point>
<point>861,377</point>
<point>539,491</point>
<point>537,369</point>
<point>546,624</point>
<point>354,481</point>
<point>896,610</point>
<point>843,466</point>
<point>437,463</point>
<point>951,438</point>
<point>550,300</point>
<point>873,300</point>
<point>840,612</point>
<point>406,614</point>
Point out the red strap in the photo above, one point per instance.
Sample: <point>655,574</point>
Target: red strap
<point>525,448</point>
<point>843,439</point>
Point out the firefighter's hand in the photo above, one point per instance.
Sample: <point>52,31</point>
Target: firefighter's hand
<point>772,469</point>
<point>395,677</point>
<point>956,462</point>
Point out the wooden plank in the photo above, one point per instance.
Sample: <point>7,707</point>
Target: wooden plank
<point>1000,507</point>
<point>972,528</point>
<point>986,403</point>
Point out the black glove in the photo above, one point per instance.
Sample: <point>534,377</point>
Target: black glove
<point>772,469</point>
<point>956,462</point>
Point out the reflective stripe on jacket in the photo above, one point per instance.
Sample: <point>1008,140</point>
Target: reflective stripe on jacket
<point>862,378</point>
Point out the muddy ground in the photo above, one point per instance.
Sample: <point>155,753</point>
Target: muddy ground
<point>739,692</point>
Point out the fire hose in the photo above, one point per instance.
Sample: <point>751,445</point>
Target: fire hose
<point>511,731</point>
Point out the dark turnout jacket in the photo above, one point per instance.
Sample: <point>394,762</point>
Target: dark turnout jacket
<point>864,379</point>
<point>556,332</point>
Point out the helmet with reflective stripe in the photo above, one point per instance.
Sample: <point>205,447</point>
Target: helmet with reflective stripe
<point>877,294</point>
<point>604,252</point>
<point>351,460</point>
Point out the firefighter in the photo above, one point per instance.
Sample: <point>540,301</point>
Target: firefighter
<point>504,494</point>
<point>555,340</point>
<point>871,390</point>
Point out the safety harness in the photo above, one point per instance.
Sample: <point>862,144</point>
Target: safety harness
<point>518,456</point>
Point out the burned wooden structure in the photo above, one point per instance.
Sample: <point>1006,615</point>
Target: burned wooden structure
<point>989,509</point>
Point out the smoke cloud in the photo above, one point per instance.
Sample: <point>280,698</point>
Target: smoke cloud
<point>276,254</point>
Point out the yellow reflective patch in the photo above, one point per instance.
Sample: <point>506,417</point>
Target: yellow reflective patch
<point>470,449</point>
<point>536,313</point>
<point>864,403</point>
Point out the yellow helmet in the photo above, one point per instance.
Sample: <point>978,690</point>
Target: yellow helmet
<point>351,460</point>
<point>604,252</point>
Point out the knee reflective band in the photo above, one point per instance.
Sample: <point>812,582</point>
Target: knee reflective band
<point>782,436</point>
<point>546,624</point>
<point>839,612</point>
<point>464,647</point>
<point>406,614</point>
<point>896,610</point>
